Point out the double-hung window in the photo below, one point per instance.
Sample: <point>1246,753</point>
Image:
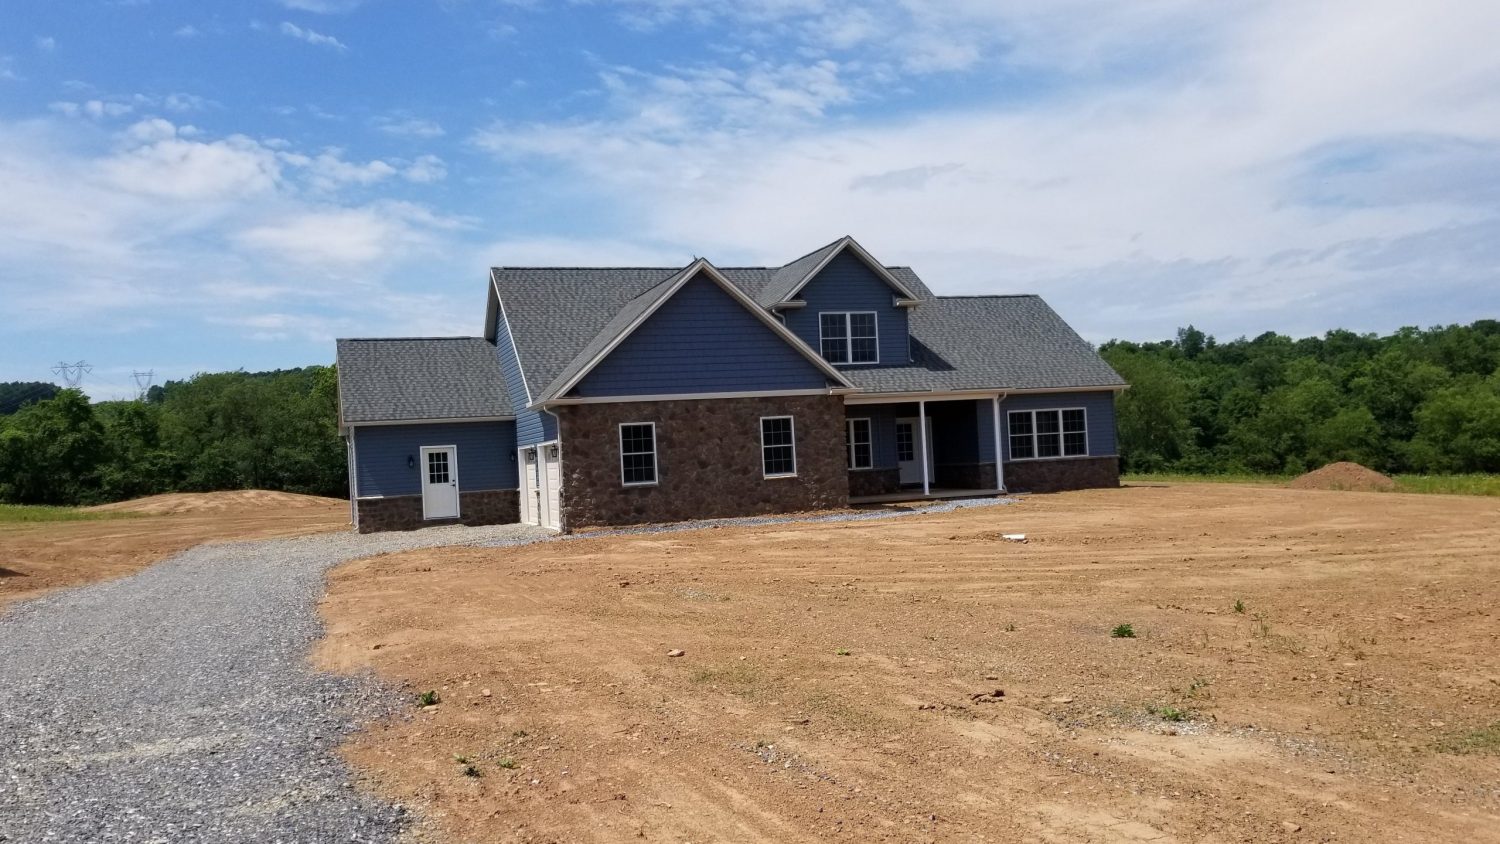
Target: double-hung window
<point>857,435</point>
<point>778,447</point>
<point>1038,434</point>
<point>849,337</point>
<point>638,453</point>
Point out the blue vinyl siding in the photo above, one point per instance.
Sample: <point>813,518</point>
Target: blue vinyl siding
<point>531,426</point>
<point>486,456</point>
<point>882,431</point>
<point>701,341</point>
<point>1099,408</point>
<point>848,284</point>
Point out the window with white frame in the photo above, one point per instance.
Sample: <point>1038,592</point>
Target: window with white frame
<point>849,337</point>
<point>1039,434</point>
<point>857,436</point>
<point>778,446</point>
<point>638,453</point>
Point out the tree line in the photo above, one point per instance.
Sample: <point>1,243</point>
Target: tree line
<point>1425,401</point>
<point>1414,401</point>
<point>228,430</point>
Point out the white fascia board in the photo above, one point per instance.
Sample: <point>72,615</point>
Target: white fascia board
<point>744,394</point>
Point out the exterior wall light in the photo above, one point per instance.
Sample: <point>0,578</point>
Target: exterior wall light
<point>411,461</point>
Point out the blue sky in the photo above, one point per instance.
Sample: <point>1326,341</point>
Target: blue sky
<point>190,186</point>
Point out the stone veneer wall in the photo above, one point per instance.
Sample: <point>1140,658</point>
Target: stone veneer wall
<point>404,512</point>
<point>708,459</point>
<point>1062,474</point>
<point>864,482</point>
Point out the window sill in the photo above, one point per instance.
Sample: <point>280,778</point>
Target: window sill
<point>639,485</point>
<point>778,477</point>
<point>1046,459</point>
<point>862,468</point>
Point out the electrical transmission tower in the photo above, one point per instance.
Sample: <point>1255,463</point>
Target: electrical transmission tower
<point>142,383</point>
<point>72,373</point>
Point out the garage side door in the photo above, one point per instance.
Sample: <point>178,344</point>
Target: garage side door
<point>552,507</point>
<point>529,485</point>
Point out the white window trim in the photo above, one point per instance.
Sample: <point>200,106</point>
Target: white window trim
<point>655,469</point>
<point>870,441</point>
<point>849,337</point>
<point>792,426</point>
<point>1060,442</point>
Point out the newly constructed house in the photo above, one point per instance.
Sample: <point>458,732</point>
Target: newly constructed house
<point>630,395</point>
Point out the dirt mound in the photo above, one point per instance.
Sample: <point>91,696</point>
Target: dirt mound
<point>211,502</point>
<point>1350,476</point>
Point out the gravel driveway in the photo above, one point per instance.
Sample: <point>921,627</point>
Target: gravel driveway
<point>178,704</point>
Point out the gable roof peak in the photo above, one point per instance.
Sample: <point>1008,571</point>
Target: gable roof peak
<point>791,278</point>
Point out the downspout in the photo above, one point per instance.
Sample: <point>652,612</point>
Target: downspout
<point>353,479</point>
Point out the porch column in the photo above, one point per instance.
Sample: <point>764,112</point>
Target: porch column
<point>999,462</point>
<point>922,446</point>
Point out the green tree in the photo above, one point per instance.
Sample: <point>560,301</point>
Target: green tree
<point>51,451</point>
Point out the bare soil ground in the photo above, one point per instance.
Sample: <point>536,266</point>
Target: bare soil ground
<point>38,556</point>
<point>842,681</point>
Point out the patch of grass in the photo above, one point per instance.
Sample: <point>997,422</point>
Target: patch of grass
<point>1469,484</point>
<point>507,763</point>
<point>1123,631</point>
<point>429,698</point>
<point>22,513</point>
<point>842,652</point>
<point>1188,478</point>
<point>1168,713</point>
<point>1482,740</point>
<point>1239,606</point>
<point>462,760</point>
<point>1199,688</point>
<point>472,771</point>
<point>519,734</point>
<point>1449,484</point>
<point>1010,627</point>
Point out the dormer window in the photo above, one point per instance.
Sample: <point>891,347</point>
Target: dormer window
<point>849,337</point>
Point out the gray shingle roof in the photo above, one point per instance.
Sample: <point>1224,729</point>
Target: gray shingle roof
<point>412,379</point>
<point>784,280</point>
<point>989,343</point>
<point>561,317</point>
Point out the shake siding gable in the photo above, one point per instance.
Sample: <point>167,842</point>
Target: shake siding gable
<point>848,284</point>
<point>486,456</point>
<point>701,340</point>
<point>532,426</point>
<point>1099,411</point>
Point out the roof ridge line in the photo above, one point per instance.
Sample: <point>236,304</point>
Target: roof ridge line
<point>387,339</point>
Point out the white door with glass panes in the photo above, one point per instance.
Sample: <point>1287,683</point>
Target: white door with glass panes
<point>907,459</point>
<point>439,482</point>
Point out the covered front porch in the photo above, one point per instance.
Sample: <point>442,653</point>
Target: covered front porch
<point>886,464</point>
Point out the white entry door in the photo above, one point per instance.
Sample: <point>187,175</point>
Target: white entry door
<point>531,487</point>
<point>551,497</point>
<point>907,459</point>
<point>439,482</point>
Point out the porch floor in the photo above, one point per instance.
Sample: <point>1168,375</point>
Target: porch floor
<point>935,494</point>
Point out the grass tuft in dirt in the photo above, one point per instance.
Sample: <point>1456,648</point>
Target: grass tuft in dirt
<point>1169,713</point>
<point>25,513</point>
<point>507,763</point>
<point>1483,740</point>
<point>1123,631</point>
<point>1239,606</point>
<point>429,698</point>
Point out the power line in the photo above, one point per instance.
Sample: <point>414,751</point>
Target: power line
<point>72,373</point>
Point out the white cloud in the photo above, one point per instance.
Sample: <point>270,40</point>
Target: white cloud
<point>328,170</point>
<point>318,39</point>
<point>323,7</point>
<point>7,69</point>
<point>408,127</point>
<point>334,238</point>
<point>425,170</point>
<point>169,165</point>
<point>46,43</point>
<point>1185,153</point>
<point>187,30</point>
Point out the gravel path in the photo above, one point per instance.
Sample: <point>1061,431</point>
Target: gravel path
<point>178,705</point>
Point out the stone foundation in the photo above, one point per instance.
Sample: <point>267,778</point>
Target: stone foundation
<point>1062,474</point>
<point>863,482</point>
<point>708,459</point>
<point>404,512</point>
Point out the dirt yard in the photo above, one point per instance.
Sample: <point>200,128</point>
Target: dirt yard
<point>38,556</point>
<point>922,679</point>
